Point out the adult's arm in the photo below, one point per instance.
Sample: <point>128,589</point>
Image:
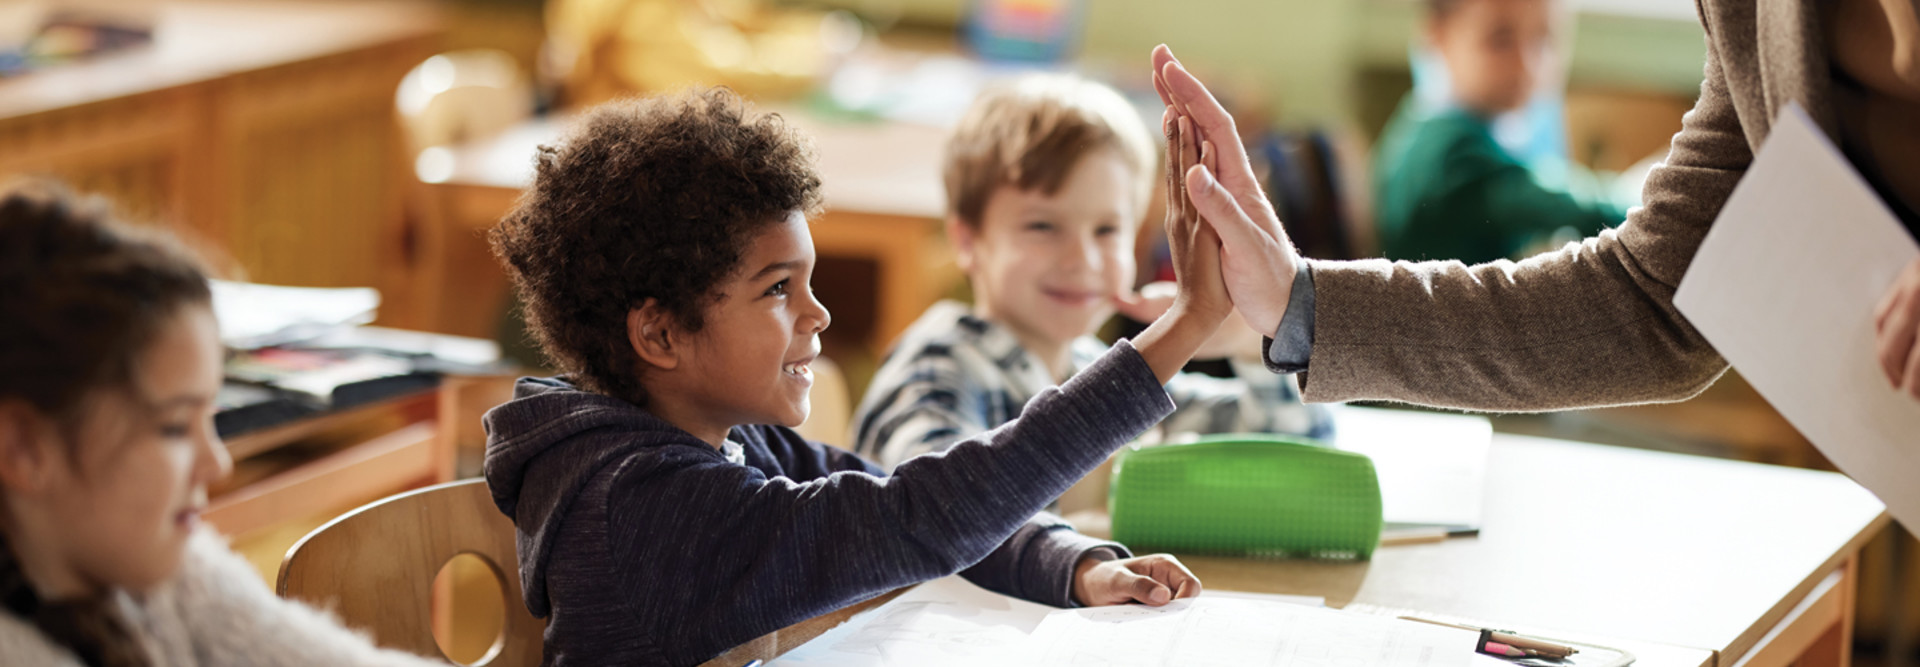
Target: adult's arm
<point>1589,325</point>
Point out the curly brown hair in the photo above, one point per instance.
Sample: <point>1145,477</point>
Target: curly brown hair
<point>648,198</point>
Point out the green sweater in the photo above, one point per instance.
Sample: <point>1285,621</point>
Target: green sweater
<point>1444,189</point>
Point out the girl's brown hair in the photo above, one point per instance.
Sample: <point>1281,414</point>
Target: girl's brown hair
<point>81,297</point>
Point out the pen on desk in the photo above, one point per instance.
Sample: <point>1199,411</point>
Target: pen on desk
<point>1544,648</point>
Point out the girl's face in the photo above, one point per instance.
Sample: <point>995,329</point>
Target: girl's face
<point>115,497</point>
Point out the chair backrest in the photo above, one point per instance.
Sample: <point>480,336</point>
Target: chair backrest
<point>375,567</point>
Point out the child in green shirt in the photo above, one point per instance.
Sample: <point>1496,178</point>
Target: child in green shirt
<point>1443,187</point>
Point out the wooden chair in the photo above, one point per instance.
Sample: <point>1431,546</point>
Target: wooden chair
<point>375,567</point>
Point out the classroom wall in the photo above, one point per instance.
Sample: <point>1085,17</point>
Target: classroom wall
<point>1306,58</point>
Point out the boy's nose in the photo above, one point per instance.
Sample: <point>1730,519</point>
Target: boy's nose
<point>1083,254</point>
<point>822,318</point>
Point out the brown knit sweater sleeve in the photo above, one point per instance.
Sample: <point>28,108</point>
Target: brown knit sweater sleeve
<point>1592,324</point>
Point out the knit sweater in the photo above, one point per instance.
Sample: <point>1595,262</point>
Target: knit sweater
<point>644,545</point>
<point>1592,324</point>
<point>215,612</point>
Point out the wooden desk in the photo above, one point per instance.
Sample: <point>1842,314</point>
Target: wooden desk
<point>334,461</point>
<point>1681,560</point>
<point>266,130</point>
<point>883,198</point>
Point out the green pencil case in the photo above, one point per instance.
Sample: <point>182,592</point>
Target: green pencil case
<point>1246,495</point>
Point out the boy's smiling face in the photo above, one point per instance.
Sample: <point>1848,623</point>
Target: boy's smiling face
<point>1048,266</point>
<point>748,363</point>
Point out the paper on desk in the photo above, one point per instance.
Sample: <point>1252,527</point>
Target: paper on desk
<point>943,622</point>
<point>949,621</point>
<point>1784,287</point>
<point>1432,466</point>
<point>1241,632</point>
<point>253,316</point>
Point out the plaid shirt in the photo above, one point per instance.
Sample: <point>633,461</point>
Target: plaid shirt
<point>954,375</point>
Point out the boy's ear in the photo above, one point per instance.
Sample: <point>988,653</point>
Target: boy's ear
<point>963,236</point>
<point>25,449</point>
<point>651,334</point>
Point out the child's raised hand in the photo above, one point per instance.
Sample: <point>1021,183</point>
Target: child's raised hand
<point>1201,298</point>
<point>1194,244</point>
<point>1152,580</point>
<point>1259,261</point>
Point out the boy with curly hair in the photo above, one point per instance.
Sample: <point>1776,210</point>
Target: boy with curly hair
<point>1047,179</point>
<point>666,510</point>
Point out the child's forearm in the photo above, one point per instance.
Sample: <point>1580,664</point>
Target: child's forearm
<point>1171,341</point>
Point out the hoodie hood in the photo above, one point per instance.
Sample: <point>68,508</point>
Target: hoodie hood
<point>544,446</point>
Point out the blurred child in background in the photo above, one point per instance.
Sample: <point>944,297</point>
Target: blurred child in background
<point>1444,188</point>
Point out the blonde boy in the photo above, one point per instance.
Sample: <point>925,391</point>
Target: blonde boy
<point>1047,180</point>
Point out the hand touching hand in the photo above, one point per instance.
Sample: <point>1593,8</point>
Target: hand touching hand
<point>1154,580</point>
<point>1194,245</point>
<point>1258,261</point>
<point>1896,323</point>
<point>1201,300</point>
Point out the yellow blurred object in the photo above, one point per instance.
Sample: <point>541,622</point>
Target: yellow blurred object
<point>608,48</point>
<point>462,96</point>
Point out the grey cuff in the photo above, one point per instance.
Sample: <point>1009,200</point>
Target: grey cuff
<point>1291,346</point>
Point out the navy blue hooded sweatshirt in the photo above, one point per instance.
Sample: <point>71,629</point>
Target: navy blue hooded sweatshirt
<point>643,545</point>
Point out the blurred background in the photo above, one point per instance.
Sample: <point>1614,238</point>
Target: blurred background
<point>357,143</point>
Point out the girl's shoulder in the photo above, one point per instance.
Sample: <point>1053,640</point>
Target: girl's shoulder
<point>24,644</point>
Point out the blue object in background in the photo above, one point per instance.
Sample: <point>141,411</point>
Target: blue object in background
<point>1030,31</point>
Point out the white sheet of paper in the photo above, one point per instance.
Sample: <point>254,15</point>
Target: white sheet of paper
<point>948,621</point>
<point>1432,467</point>
<point>1784,287</point>
<point>253,316</point>
<point>1238,632</point>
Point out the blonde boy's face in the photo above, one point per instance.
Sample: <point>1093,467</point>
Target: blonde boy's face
<point>1048,266</point>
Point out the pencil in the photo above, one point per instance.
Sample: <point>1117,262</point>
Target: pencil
<point>1548,649</point>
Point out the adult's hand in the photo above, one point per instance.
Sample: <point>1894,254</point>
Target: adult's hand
<point>1257,260</point>
<point>1896,323</point>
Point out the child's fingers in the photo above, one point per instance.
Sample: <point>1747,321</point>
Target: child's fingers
<point>1145,589</point>
<point>1169,572</point>
<point>1208,157</point>
<point>1189,156</point>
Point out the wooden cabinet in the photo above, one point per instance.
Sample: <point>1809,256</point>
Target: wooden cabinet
<point>264,132</point>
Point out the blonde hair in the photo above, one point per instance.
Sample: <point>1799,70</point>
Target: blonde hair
<point>1031,132</point>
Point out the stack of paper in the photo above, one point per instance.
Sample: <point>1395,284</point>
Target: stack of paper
<point>254,316</point>
<point>952,622</point>
<point>1237,632</point>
